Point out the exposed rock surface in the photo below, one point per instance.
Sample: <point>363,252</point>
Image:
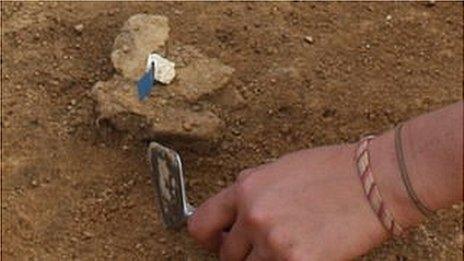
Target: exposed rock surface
<point>200,77</point>
<point>156,117</point>
<point>171,110</point>
<point>141,35</point>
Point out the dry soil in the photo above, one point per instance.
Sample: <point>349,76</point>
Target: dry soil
<point>75,190</point>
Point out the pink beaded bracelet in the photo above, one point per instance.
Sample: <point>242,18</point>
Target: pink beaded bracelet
<point>371,190</point>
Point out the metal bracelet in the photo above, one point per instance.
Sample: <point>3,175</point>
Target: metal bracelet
<point>426,211</point>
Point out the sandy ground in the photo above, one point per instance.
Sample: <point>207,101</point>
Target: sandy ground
<point>73,190</point>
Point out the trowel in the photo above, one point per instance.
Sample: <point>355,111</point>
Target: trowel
<point>168,179</point>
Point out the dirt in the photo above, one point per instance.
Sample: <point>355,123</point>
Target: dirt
<point>72,189</point>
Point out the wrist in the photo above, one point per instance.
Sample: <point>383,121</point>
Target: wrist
<point>434,161</point>
<point>386,173</point>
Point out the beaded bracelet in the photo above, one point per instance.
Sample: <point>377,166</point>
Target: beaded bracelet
<point>363,166</point>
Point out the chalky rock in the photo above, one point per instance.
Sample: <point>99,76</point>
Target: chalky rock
<point>117,102</point>
<point>140,36</point>
<point>164,69</point>
<point>171,110</point>
<point>201,77</point>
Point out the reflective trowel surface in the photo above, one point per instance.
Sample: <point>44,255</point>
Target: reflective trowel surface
<point>168,179</point>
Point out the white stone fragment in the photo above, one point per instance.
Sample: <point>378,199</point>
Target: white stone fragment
<point>164,69</point>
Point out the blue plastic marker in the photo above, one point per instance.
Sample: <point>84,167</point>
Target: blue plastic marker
<point>146,83</point>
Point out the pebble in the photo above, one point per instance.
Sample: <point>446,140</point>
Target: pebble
<point>162,240</point>
<point>34,183</point>
<point>187,126</point>
<point>87,235</point>
<point>125,48</point>
<point>128,204</point>
<point>163,102</point>
<point>285,129</point>
<point>196,107</point>
<point>125,147</point>
<point>309,39</point>
<point>73,102</point>
<point>79,28</point>
<point>178,249</point>
<point>225,146</point>
<point>221,183</point>
<point>459,239</point>
<point>271,50</point>
<point>389,17</point>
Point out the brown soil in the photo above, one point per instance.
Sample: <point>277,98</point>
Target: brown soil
<point>71,189</point>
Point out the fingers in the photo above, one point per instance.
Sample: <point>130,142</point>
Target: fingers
<point>244,174</point>
<point>212,218</point>
<point>235,245</point>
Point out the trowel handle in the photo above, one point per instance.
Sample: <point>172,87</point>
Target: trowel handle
<point>189,211</point>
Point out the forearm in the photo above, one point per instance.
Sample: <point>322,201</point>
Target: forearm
<point>433,154</point>
<point>319,190</point>
<point>434,144</point>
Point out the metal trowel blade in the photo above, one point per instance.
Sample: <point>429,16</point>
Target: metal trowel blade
<point>167,176</point>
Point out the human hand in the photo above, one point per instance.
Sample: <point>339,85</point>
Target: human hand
<point>307,205</point>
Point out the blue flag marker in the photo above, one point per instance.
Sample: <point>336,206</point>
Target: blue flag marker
<point>146,83</point>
